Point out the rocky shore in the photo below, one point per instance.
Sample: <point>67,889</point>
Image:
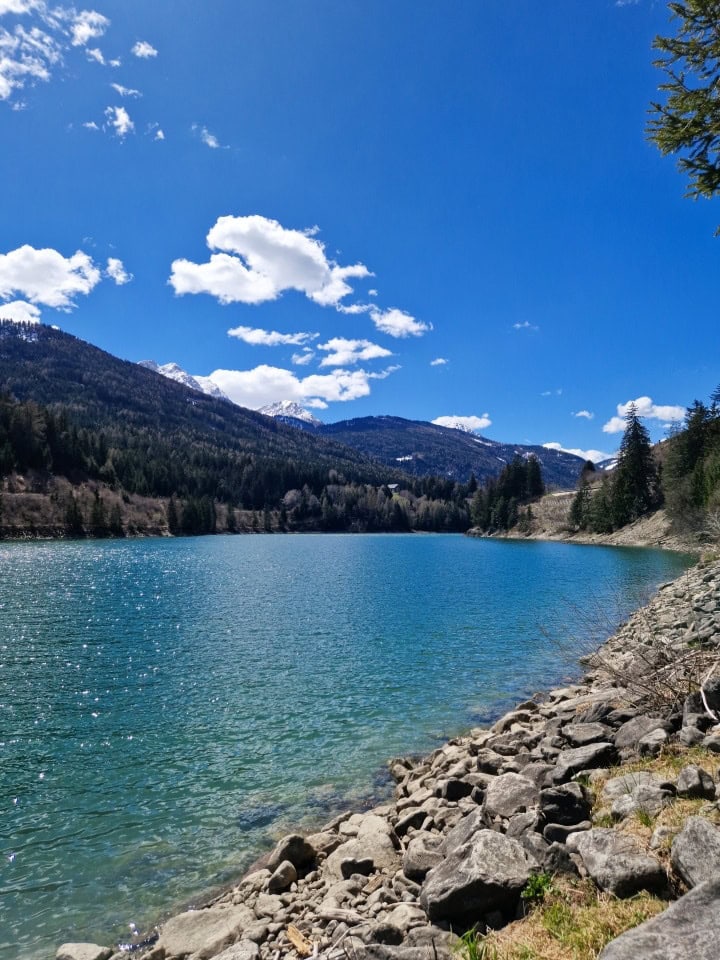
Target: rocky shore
<point>609,786</point>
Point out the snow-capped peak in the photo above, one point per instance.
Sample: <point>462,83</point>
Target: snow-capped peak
<point>174,372</point>
<point>288,408</point>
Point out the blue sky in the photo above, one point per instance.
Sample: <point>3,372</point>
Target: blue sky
<point>378,207</point>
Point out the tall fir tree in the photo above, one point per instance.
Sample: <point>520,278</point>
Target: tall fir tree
<point>635,482</point>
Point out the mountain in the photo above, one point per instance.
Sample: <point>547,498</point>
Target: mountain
<point>426,449</point>
<point>287,411</point>
<point>174,372</point>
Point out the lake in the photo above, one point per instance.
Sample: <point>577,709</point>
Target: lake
<point>169,707</point>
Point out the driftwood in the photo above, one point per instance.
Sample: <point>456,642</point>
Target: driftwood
<point>303,946</point>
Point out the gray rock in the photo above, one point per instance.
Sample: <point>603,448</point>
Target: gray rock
<point>295,848</point>
<point>414,817</point>
<point>694,782</point>
<point>558,859</point>
<point>406,916</point>
<point>630,783</point>
<point>652,743</point>
<point>617,862</point>
<point>630,733</point>
<point>580,734</point>
<point>570,762</point>
<point>82,951</point>
<point>374,842</point>
<point>244,950</point>
<point>688,930</point>
<point>539,772</point>
<point>712,742</point>
<point>268,905</point>
<point>485,874</point>
<point>566,804</point>
<point>695,852</point>
<point>324,842</point>
<point>350,866</point>
<point>463,832</point>
<point>694,703</point>
<point>523,822</point>
<point>203,933</point>
<point>559,832</point>
<point>283,878</point>
<point>488,761</point>
<point>510,793</point>
<point>455,789</point>
<point>422,854</point>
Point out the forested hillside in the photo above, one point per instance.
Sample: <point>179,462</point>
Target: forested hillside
<point>68,409</point>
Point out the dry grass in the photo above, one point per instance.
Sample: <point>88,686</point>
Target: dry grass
<point>574,922</point>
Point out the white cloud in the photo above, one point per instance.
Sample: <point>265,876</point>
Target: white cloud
<point>342,352</point>
<point>525,325</point>
<point>552,393</point>
<point>47,278</point>
<point>144,50</point>
<point>25,56</point>
<point>91,125</point>
<point>209,139</point>
<point>264,384</point>
<point>644,407</point>
<point>119,120</point>
<point>20,311</point>
<point>586,414</point>
<point>18,6</point>
<point>397,323</point>
<point>303,359</point>
<point>260,260</point>
<point>116,271</point>
<point>125,91</point>
<point>270,338</point>
<point>439,362</point>
<point>156,131</point>
<point>86,26</point>
<point>595,455</point>
<point>464,423</point>
<point>96,54</point>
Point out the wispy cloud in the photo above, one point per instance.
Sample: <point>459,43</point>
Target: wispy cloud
<point>125,91</point>
<point>439,362</point>
<point>270,338</point>
<point>644,407</point>
<point>209,139</point>
<point>585,414</point>
<point>525,325</point>
<point>87,25</point>
<point>595,455</point>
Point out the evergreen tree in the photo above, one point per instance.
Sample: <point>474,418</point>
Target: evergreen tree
<point>172,517</point>
<point>98,520</point>
<point>115,523</point>
<point>73,518</point>
<point>635,479</point>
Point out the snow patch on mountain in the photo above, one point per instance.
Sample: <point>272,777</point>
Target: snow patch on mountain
<point>174,372</point>
<point>288,408</point>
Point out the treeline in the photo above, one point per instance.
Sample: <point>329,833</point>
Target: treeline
<point>685,476</point>
<point>196,479</point>
<point>498,505</point>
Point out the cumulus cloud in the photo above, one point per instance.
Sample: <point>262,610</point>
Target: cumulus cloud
<point>47,278</point>
<point>343,353</point>
<point>144,50</point>
<point>397,323</point>
<point>464,423</point>
<point>265,384</point>
<point>91,125</point>
<point>20,311</point>
<point>586,414</point>
<point>125,91</point>
<point>439,362</point>
<point>644,407</point>
<point>270,338</point>
<point>18,6</point>
<point>116,271</point>
<point>87,25</point>
<point>119,120</point>
<point>25,56</point>
<point>595,455</point>
<point>259,260</point>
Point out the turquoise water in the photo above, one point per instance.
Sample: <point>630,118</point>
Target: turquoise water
<point>167,707</point>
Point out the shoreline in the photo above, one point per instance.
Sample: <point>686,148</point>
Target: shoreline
<point>324,885</point>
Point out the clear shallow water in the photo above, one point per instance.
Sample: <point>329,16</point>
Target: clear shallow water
<point>167,707</point>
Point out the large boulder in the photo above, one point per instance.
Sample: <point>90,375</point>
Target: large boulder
<point>590,757</point>
<point>483,876</point>
<point>688,930</point>
<point>203,933</point>
<point>694,782</point>
<point>630,734</point>
<point>617,862</point>
<point>244,950</point>
<point>695,851</point>
<point>509,794</point>
<point>374,842</point>
<point>295,848</point>
<point>567,804</point>
<point>422,854</point>
<point>82,951</point>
